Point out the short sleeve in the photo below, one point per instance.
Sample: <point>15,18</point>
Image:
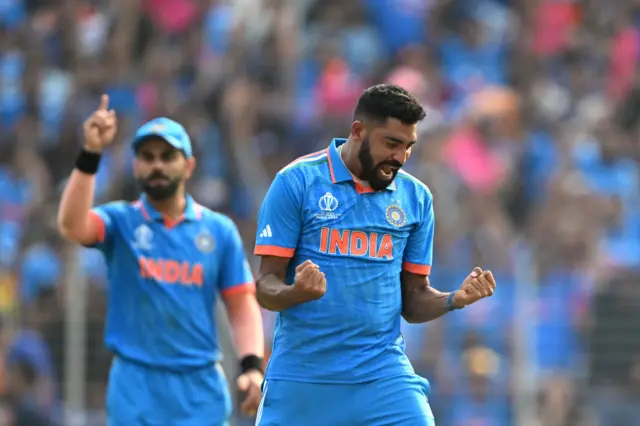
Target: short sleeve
<point>105,218</point>
<point>280,218</point>
<point>235,273</point>
<point>418,254</point>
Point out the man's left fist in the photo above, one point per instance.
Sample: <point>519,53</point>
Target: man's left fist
<point>478,285</point>
<point>250,383</point>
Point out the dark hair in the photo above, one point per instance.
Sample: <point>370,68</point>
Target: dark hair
<point>385,101</point>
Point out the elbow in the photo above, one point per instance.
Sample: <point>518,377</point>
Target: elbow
<point>260,297</point>
<point>413,319</point>
<point>67,234</point>
<point>410,318</point>
<point>64,228</point>
<point>414,314</point>
<point>68,228</point>
<point>264,300</point>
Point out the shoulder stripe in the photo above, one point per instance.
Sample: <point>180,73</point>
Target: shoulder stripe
<point>199,209</point>
<point>405,175</point>
<point>309,158</point>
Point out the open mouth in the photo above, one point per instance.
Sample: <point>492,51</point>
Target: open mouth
<point>387,171</point>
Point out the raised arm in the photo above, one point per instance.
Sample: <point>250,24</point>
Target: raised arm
<point>76,221</point>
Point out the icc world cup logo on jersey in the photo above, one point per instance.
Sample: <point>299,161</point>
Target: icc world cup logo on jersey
<point>327,205</point>
<point>396,216</point>
<point>143,238</point>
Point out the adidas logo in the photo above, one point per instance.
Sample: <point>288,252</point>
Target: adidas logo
<point>266,232</point>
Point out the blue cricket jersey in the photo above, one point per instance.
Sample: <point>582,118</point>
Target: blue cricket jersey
<point>164,278</point>
<point>361,240</point>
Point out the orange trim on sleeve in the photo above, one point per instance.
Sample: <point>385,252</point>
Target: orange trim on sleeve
<point>414,268</point>
<point>262,250</point>
<point>239,289</point>
<point>99,224</point>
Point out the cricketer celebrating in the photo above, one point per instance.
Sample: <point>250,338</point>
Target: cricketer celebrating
<point>346,241</point>
<point>168,260</point>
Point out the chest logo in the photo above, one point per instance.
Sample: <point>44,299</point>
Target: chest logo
<point>143,238</point>
<point>327,205</point>
<point>347,242</point>
<point>396,216</point>
<point>205,242</point>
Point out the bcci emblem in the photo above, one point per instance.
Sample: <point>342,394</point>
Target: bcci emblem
<point>395,216</point>
<point>204,242</point>
<point>327,205</point>
<point>158,127</point>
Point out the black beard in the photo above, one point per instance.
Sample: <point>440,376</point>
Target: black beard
<point>159,192</point>
<point>369,169</point>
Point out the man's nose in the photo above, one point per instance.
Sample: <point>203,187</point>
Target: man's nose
<point>157,164</point>
<point>400,156</point>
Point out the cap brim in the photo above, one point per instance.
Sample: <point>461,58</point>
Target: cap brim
<point>137,142</point>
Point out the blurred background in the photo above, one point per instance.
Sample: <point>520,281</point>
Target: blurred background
<point>530,147</point>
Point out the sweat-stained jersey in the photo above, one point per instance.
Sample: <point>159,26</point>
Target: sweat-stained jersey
<point>164,278</point>
<point>361,240</point>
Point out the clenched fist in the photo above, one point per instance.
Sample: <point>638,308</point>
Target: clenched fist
<point>309,283</point>
<point>250,383</point>
<point>100,128</point>
<point>478,285</point>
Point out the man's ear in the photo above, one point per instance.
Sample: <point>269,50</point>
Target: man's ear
<point>358,131</point>
<point>191,166</point>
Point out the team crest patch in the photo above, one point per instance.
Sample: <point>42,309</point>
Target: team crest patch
<point>204,242</point>
<point>395,216</point>
<point>158,127</point>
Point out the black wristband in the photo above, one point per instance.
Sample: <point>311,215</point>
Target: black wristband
<point>251,362</point>
<point>88,162</point>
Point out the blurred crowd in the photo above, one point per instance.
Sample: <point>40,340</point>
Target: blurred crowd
<point>530,148</point>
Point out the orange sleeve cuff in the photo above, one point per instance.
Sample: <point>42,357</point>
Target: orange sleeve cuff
<point>101,229</point>
<point>417,269</point>
<point>277,251</point>
<point>239,289</point>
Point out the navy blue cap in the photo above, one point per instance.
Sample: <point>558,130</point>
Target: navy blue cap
<point>167,129</point>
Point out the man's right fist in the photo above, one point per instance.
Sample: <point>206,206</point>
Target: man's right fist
<point>100,128</point>
<point>309,283</point>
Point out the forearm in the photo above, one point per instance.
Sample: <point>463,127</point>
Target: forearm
<point>74,221</point>
<point>424,304</point>
<point>274,295</point>
<point>246,324</point>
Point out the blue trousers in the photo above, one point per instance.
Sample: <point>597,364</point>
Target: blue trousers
<point>394,401</point>
<point>143,396</point>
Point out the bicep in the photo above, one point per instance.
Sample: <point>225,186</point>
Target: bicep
<point>96,230</point>
<point>411,282</point>
<point>274,265</point>
<point>99,227</point>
